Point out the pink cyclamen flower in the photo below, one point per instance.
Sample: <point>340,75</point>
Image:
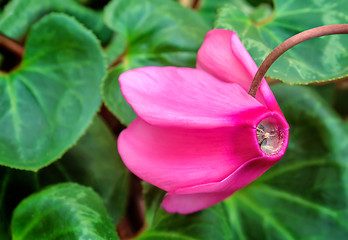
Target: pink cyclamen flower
<point>199,135</point>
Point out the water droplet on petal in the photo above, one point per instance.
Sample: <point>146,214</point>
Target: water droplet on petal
<point>270,136</point>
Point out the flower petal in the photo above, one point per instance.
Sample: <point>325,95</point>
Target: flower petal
<point>223,55</point>
<point>185,97</point>
<point>173,158</point>
<point>196,198</point>
<point>189,203</point>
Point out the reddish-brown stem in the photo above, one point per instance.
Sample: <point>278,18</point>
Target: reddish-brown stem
<point>289,43</point>
<point>11,45</point>
<point>196,4</point>
<point>134,219</point>
<point>119,59</point>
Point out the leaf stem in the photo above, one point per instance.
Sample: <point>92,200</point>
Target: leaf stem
<point>196,4</point>
<point>11,45</point>
<point>119,59</point>
<point>288,44</point>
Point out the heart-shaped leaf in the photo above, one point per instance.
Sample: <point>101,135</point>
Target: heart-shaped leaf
<point>157,33</point>
<point>13,25</point>
<point>93,162</point>
<point>50,99</point>
<point>63,211</point>
<point>260,30</point>
<point>304,196</point>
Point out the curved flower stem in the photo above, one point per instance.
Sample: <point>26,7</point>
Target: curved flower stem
<point>11,45</point>
<point>289,43</point>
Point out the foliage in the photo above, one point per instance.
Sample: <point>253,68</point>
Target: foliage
<point>48,101</point>
<point>65,211</point>
<point>61,176</point>
<point>167,34</point>
<point>262,28</point>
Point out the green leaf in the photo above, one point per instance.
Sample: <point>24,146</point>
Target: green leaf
<point>317,60</point>
<point>13,25</point>
<point>207,9</point>
<point>208,224</point>
<point>94,162</point>
<point>63,211</point>
<point>261,13</point>
<point>114,99</point>
<point>157,33</point>
<point>50,99</point>
<point>211,223</point>
<point>327,92</point>
<point>115,49</point>
<point>304,196</point>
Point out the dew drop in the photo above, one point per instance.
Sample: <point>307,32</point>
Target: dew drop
<point>270,136</point>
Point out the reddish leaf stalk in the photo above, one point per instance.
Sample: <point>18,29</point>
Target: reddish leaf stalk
<point>11,45</point>
<point>196,4</point>
<point>288,44</point>
<point>119,59</point>
<point>134,220</point>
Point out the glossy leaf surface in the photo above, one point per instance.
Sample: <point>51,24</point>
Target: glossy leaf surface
<point>93,162</point>
<point>261,30</point>
<point>63,211</point>
<point>157,33</point>
<point>50,99</point>
<point>13,25</point>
